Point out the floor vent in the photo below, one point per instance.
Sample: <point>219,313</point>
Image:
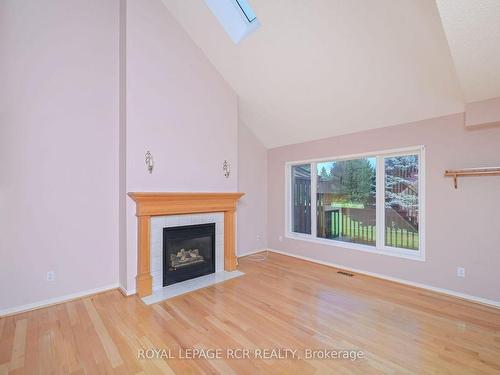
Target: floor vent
<point>346,273</point>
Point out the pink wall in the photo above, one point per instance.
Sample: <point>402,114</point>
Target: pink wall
<point>484,112</point>
<point>462,226</point>
<point>58,148</point>
<point>252,180</point>
<point>179,108</point>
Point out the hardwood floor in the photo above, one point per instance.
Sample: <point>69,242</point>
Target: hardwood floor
<point>282,303</point>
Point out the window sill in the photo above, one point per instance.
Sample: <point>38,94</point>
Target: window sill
<point>391,251</point>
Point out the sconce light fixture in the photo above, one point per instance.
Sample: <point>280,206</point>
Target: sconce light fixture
<point>149,162</point>
<point>226,168</point>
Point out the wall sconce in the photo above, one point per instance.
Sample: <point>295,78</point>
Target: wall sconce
<point>226,168</point>
<point>149,162</point>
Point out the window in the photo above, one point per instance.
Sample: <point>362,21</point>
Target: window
<point>346,197</point>
<point>236,17</point>
<point>247,10</point>
<point>301,198</point>
<point>401,201</point>
<point>367,202</point>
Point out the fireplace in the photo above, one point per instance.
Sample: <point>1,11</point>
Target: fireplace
<point>188,252</point>
<point>151,206</point>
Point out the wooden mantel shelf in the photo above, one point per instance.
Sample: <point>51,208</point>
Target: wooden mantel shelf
<point>156,204</point>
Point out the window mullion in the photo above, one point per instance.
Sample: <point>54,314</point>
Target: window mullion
<point>288,199</point>
<point>314,180</point>
<point>380,202</point>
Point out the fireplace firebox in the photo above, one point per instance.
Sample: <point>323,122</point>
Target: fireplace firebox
<point>188,252</point>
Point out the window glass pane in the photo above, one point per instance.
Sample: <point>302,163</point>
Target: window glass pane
<point>346,200</point>
<point>301,198</point>
<point>401,201</point>
<point>247,10</point>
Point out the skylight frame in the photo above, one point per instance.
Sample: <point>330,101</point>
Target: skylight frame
<point>248,9</point>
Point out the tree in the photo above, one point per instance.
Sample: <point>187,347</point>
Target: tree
<point>354,181</point>
<point>401,188</point>
<point>401,178</point>
<point>324,174</point>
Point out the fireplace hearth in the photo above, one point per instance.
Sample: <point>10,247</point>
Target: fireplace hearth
<point>188,252</point>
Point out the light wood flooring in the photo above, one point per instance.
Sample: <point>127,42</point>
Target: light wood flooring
<point>282,302</point>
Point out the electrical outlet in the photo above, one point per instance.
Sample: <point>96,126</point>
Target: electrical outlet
<point>460,272</point>
<point>51,276</point>
<point>280,238</point>
<point>258,237</point>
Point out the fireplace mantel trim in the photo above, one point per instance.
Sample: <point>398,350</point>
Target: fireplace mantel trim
<point>157,204</point>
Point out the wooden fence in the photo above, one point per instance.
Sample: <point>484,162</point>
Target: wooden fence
<point>336,225</point>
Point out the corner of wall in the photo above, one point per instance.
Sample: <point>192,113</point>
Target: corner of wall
<point>252,180</point>
<point>122,149</point>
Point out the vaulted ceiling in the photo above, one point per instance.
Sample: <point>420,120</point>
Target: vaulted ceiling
<point>473,32</point>
<point>320,68</point>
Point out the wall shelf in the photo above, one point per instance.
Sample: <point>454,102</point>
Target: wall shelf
<point>471,172</point>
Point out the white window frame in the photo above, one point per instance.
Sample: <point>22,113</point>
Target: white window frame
<point>380,247</point>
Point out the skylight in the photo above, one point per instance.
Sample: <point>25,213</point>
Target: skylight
<point>247,10</point>
<point>236,17</point>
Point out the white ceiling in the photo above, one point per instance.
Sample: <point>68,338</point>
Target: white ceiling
<point>319,68</point>
<point>473,32</point>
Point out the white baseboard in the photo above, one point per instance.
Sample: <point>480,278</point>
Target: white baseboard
<point>126,292</point>
<point>453,293</point>
<point>69,297</point>
<point>251,252</point>
<point>55,300</point>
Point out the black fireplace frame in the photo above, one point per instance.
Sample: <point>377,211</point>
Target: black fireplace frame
<point>186,274</point>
